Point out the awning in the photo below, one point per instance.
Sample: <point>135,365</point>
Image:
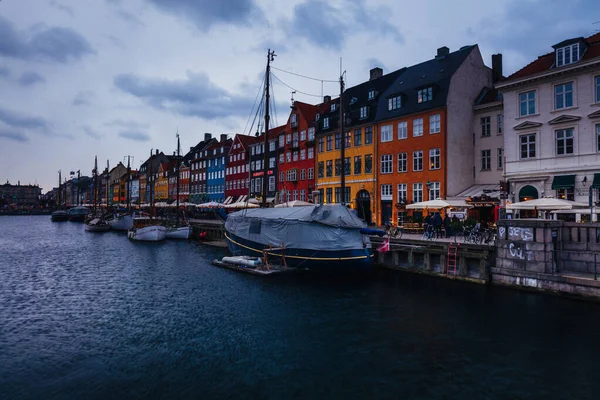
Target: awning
<point>229,199</point>
<point>563,182</point>
<point>242,198</point>
<point>596,184</point>
<point>491,191</point>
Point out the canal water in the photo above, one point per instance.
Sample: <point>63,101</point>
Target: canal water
<point>95,316</point>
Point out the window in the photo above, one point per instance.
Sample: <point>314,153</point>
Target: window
<point>386,164</point>
<point>302,135</point>
<point>486,160</point>
<point>425,95</point>
<point>293,119</point>
<point>363,112</point>
<point>434,190</point>
<point>329,142</point>
<point>394,103</point>
<point>281,176</point>
<point>402,192</point>
<point>402,130</point>
<point>272,145</point>
<point>295,156</point>
<point>333,107</point>
<point>500,160</point>
<point>311,173</point>
<point>566,194</point>
<point>386,133</point>
<point>292,175</point>
<point>326,123</point>
<point>328,193</point>
<point>272,162</point>
<point>597,79</point>
<point>347,166</point>
<point>368,164</point>
<point>288,138</point>
<point>338,167</point>
<point>563,96</point>
<point>486,126</point>
<point>434,124</point>
<point>527,146</point>
<point>417,192</point>
<point>527,103</point>
<point>252,183</point>
<point>499,120</point>
<point>281,158</point>
<point>311,133</point>
<point>311,153</point>
<point>347,195</point>
<point>288,157</point>
<point>567,55</point>
<point>418,127</point>
<point>321,144</point>
<point>402,162</point>
<point>271,184</point>
<point>302,174</point>
<point>369,135</point>
<point>386,192</point>
<point>418,160</point>
<point>357,165</point>
<point>357,137</point>
<point>564,141</point>
<point>321,169</point>
<point>598,137</point>
<point>434,159</point>
<point>338,141</point>
<point>329,171</point>
<point>371,94</point>
<point>281,140</point>
<point>302,195</point>
<point>303,154</point>
<point>338,193</point>
<point>295,140</point>
<point>348,139</point>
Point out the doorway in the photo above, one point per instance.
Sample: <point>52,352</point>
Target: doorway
<point>363,205</point>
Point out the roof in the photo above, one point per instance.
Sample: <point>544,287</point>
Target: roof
<point>546,62</point>
<point>488,95</point>
<point>435,73</point>
<point>308,111</point>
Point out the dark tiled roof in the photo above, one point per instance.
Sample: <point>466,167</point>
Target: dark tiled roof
<point>435,73</point>
<point>488,95</point>
<point>546,62</point>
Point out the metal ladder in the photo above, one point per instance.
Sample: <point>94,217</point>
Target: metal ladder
<point>451,264</point>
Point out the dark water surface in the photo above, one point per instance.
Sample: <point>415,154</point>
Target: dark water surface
<point>95,316</point>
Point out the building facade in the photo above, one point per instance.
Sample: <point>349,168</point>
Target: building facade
<point>21,195</point>
<point>237,173</point>
<point>215,170</point>
<point>258,168</point>
<point>552,124</point>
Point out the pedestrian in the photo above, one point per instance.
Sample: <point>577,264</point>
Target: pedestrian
<point>447,225</point>
<point>437,224</point>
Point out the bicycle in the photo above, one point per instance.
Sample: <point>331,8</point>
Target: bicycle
<point>394,231</point>
<point>429,233</point>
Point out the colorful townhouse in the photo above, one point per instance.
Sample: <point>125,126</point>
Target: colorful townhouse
<point>161,183</point>
<point>215,170</point>
<point>423,131</point>
<point>145,172</point>
<point>184,182</point>
<point>552,124</point>
<point>198,169</point>
<point>360,110</point>
<point>258,168</point>
<point>296,159</point>
<point>115,189</point>
<point>237,179</point>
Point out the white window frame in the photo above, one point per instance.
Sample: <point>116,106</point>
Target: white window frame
<point>386,163</point>
<point>386,192</point>
<point>425,94</point>
<point>527,100</point>
<point>394,103</point>
<point>402,162</point>
<point>417,155</point>
<point>564,132</point>
<point>371,94</point>
<point>363,112</point>
<point>387,133</point>
<point>311,173</point>
<point>486,160</point>
<point>433,190</point>
<point>528,144</point>
<point>402,192</point>
<point>417,127</point>
<point>500,158</point>
<point>417,188</point>
<point>597,89</point>
<point>325,122</point>
<point>311,153</point>
<point>561,55</point>
<point>435,158</point>
<point>435,124</point>
<point>562,92</point>
<point>499,123</point>
<point>486,126</point>
<point>402,130</point>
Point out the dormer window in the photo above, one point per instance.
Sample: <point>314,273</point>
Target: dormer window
<point>425,95</point>
<point>363,112</point>
<point>326,122</point>
<point>371,94</point>
<point>394,103</point>
<point>567,55</point>
<point>317,117</point>
<point>293,120</point>
<point>333,107</point>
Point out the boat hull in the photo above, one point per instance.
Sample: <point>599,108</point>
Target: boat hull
<point>59,217</point>
<point>97,228</point>
<point>123,223</point>
<point>182,232</point>
<point>77,218</point>
<point>150,233</point>
<point>304,258</point>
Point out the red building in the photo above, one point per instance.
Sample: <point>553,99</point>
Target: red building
<point>238,162</point>
<point>184,182</point>
<point>297,154</point>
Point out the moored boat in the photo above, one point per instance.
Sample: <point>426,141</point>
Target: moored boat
<point>59,216</point>
<point>78,214</point>
<point>121,222</point>
<point>179,232</point>
<point>97,225</point>
<point>146,230</point>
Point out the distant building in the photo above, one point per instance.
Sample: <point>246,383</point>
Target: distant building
<point>21,195</point>
<point>237,175</point>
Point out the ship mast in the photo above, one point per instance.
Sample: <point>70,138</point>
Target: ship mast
<point>128,184</point>
<point>107,183</point>
<point>150,184</point>
<point>343,138</point>
<point>95,184</point>
<point>177,172</point>
<point>59,204</point>
<point>270,57</point>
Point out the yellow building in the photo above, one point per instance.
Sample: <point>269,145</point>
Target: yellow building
<point>161,186</point>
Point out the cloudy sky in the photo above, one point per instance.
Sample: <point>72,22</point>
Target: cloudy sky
<point>112,78</point>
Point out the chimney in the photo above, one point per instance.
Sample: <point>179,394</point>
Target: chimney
<point>375,73</point>
<point>191,148</point>
<point>223,137</point>
<point>442,52</point>
<point>207,137</point>
<point>156,151</point>
<point>496,67</point>
<point>326,99</point>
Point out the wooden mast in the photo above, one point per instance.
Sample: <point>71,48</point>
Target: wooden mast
<point>177,178</point>
<point>270,57</point>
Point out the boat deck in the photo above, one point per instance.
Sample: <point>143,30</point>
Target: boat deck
<point>274,270</point>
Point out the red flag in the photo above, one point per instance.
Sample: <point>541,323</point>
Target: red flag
<point>385,246</point>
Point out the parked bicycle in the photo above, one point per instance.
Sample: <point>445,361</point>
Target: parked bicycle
<point>429,233</point>
<point>392,231</point>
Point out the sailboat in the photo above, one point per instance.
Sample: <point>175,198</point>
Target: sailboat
<point>312,237</point>
<point>178,230</point>
<point>59,215</point>
<point>120,221</point>
<point>145,228</point>
<point>96,223</point>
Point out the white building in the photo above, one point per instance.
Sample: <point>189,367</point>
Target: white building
<point>552,124</point>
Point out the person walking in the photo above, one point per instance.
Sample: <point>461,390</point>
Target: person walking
<point>447,225</point>
<point>437,224</point>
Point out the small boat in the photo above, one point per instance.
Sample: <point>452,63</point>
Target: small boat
<point>121,222</point>
<point>78,214</point>
<point>97,225</point>
<point>59,216</point>
<point>147,230</point>
<point>179,232</point>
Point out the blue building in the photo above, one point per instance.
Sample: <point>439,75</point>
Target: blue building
<point>215,170</point>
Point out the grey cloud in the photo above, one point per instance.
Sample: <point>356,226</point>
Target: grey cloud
<point>83,98</point>
<point>195,96</point>
<point>375,62</point>
<point>135,135</point>
<point>47,44</point>
<point>62,7</point>
<point>128,124</point>
<point>5,72</point>
<point>30,78</point>
<point>324,25</point>
<point>91,132</point>
<point>206,13</point>
<point>13,134</point>
<point>16,120</point>
<point>130,18</point>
